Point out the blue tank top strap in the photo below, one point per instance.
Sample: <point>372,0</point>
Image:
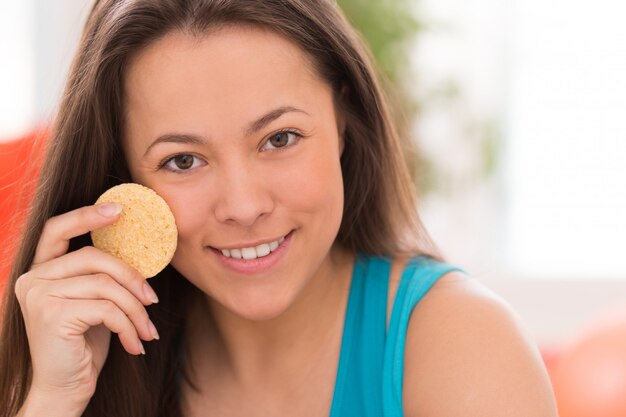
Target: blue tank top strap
<point>360,368</point>
<point>419,276</point>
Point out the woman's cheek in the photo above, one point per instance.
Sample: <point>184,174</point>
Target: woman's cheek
<point>188,211</point>
<point>313,183</point>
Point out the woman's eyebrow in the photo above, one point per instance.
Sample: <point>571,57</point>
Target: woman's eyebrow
<point>269,117</point>
<point>176,138</point>
<point>252,128</point>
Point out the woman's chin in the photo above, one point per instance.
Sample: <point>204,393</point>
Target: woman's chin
<point>260,310</point>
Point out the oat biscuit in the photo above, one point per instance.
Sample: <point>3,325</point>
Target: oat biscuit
<point>145,234</point>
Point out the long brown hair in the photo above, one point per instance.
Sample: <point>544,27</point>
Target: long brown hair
<point>84,158</point>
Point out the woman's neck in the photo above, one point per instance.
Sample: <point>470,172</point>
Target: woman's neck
<point>223,345</point>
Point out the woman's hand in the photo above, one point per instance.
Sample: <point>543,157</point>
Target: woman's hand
<point>71,303</point>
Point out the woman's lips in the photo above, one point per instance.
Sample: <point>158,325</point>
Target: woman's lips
<point>254,264</point>
<point>253,252</point>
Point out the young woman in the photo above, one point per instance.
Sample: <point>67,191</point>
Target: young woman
<point>261,125</point>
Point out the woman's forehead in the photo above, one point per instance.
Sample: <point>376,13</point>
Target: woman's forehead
<point>227,58</point>
<point>225,78</point>
<point>239,64</point>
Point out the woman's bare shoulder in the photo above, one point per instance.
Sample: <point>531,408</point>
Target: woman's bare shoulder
<point>468,354</point>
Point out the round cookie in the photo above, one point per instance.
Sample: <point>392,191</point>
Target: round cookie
<point>145,235</point>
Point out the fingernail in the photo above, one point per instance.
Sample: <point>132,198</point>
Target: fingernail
<point>109,209</point>
<point>153,330</point>
<point>149,293</point>
<point>141,349</point>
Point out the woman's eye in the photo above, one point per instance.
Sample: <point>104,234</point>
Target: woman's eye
<point>281,140</point>
<point>183,162</point>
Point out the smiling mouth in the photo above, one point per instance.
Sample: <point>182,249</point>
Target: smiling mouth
<point>254,252</point>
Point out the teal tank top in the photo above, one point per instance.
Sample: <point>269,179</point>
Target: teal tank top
<point>371,362</point>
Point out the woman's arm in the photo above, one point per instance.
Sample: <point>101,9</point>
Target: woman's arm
<point>468,355</point>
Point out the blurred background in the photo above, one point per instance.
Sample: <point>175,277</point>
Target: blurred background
<point>517,110</point>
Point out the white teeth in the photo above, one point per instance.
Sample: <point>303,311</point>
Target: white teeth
<point>253,253</point>
<point>262,250</point>
<point>248,253</point>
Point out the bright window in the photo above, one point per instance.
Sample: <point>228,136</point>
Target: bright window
<point>548,78</point>
<point>567,134</point>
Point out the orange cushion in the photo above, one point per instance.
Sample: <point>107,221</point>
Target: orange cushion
<point>19,167</point>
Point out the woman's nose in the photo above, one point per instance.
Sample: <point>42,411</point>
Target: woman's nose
<point>244,197</point>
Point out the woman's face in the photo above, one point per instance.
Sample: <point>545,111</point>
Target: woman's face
<point>240,136</point>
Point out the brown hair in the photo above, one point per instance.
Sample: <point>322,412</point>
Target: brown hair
<point>84,158</point>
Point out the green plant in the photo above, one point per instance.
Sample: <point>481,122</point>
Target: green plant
<point>390,28</point>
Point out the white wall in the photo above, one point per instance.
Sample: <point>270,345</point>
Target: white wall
<point>556,310</point>
<point>17,71</point>
<point>38,39</point>
<point>58,26</point>
<point>566,138</point>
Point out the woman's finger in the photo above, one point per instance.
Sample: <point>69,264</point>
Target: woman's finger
<point>92,313</point>
<point>103,287</point>
<point>89,260</point>
<point>70,320</point>
<point>58,230</point>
